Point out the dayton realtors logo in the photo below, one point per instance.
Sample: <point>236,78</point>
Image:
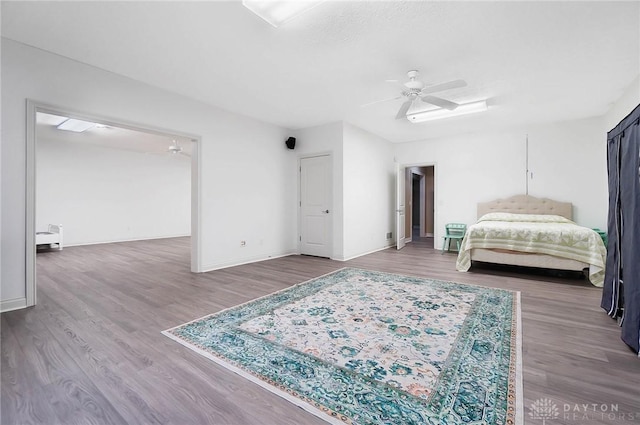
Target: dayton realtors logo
<point>545,410</point>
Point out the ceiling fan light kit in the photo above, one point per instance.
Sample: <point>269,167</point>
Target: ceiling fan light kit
<point>441,113</point>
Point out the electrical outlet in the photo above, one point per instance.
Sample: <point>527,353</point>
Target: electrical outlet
<point>243,243</point>
<point>389,235</point>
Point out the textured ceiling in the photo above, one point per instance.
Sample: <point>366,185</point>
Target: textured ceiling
<point>534,61</point>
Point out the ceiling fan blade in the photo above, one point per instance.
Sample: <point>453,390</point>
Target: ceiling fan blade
<point>380,101</point>
<point>185,154</point>
<point>444,86</point>
<point>443,103</point>
<point>402,113</point>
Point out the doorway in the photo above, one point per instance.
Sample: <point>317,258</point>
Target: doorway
<point>47,138</point>
<point>316,212</point>
<point>420,201</point>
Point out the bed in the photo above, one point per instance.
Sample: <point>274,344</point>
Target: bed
<point>52,237</point>
<point>532,232</point>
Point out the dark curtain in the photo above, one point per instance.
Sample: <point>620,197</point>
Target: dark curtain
<point>621,292</point>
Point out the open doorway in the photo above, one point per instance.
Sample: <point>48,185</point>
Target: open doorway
<point>420,194</point>
<point>95,181</point>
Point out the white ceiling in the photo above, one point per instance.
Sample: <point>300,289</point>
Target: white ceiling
<point>534,61</point>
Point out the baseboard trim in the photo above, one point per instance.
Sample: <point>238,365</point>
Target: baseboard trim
<point>13,304</point>
<point>128,240</point>
<point>212,267</point>
<point>365,253</point>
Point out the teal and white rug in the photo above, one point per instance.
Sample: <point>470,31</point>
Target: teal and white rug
<point>365,347</point>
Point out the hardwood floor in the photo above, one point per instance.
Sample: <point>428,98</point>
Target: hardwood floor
<point>91,351</point>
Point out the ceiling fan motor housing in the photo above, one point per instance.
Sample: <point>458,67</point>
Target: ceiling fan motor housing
<point>413,84</point>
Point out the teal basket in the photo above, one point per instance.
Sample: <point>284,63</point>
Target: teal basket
<point>602,234</point>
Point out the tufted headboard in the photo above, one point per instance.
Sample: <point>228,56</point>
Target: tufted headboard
<point>525,204</point>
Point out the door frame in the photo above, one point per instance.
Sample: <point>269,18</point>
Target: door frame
<point>299,200</point>
<point>435,193</point>
<point>421,203</point>
<point>400,206</point>
<point>33,107</point>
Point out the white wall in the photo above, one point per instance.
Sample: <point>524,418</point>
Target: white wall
<point>369,192</point>
<point>568,160</point>
<point>569,163</point>
<point>246,185</point>
<point>100,194</point>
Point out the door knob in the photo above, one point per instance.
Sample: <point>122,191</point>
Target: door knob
<point>326,211</point>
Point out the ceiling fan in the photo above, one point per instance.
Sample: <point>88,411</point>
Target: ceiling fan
<point>176,149</point>
<point>415,89</point>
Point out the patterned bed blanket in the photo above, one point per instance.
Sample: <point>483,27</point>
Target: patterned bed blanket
<point>534,233</point>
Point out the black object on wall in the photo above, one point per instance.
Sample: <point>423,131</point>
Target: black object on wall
<point>621,292</point>
<point>291,142</point>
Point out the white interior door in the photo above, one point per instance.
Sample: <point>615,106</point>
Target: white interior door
<point>315,206</point>
<point>400,207</point>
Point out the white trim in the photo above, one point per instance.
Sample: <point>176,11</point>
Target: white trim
<point>423,203</point>
<point>128,240</point>
<point>196,206</point>
<point>33,107</point>
<point>433,164</point>
<point>218,266</point>
<point>12,304</point>
<point>30,201</point>
<point>365,253</point>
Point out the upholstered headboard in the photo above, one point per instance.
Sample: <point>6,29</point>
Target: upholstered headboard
<point>525,204</point>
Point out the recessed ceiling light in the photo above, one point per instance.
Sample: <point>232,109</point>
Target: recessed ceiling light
<point>441,113</point>
<point>278,12</point>
<point>75,125</point>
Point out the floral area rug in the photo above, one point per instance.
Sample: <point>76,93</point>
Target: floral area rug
<point>365,347</point>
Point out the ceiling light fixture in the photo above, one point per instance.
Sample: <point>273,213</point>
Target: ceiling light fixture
<point>50,119</point>
<point>77,126</point>
<point>277,12</point>
<point>441,113</point>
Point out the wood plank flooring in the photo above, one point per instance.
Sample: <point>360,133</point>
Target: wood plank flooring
<point>91,351</point>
